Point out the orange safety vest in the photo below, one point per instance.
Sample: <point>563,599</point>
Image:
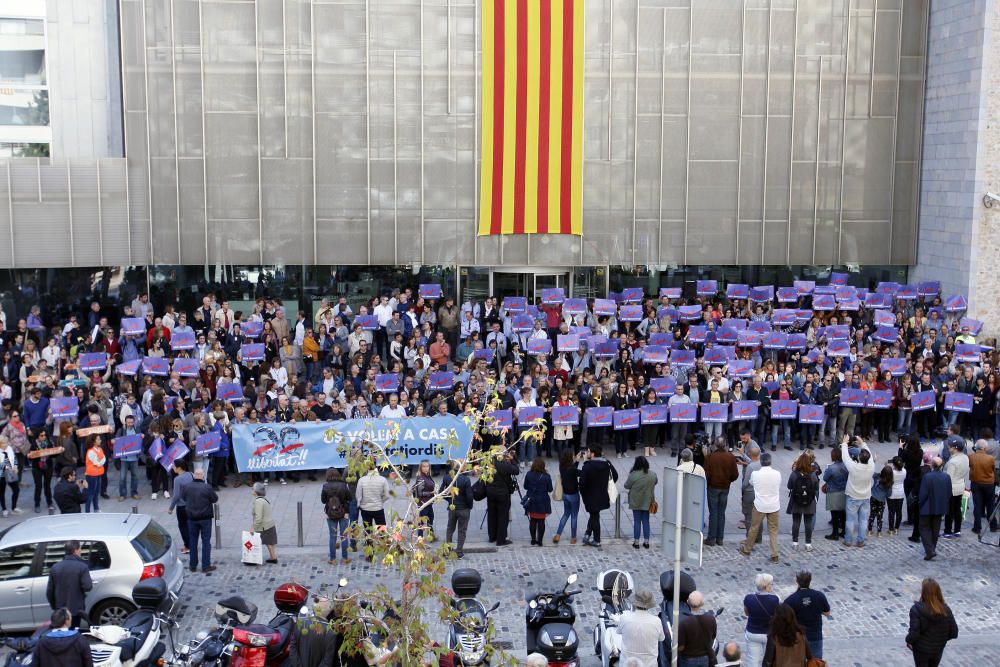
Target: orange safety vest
<point>95,469</point>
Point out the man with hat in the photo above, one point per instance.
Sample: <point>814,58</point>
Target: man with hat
<point>957,469</point>
<point>641,632</point>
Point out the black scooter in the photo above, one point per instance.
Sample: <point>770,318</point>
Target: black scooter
<point>468,631</point>
<point>549,621</point>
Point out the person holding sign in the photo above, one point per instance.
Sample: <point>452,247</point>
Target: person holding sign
<point>129,462</point>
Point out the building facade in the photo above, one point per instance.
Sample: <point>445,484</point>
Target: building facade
<point>305,137</point>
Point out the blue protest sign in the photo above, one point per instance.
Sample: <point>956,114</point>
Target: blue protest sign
<point>968,353</point>
<point>177,450</point>
<point>796,341</point>
<point>575,306</point>
<point>838,278</point>
<point>567,342</point>
<point>956,303</point>
<point>252,328</point>
<point>838,348</point>
<point>387,383</point>
<point>522,323</point>
<point>737,291</point>
<point>762,293</point>
<point>64,407</point>
<point>133,326</point>
<point>187,368</point>
<point>93,361</point>
<point>759,327</point>
<point>366,322</point>
<point>629,313</point>
<point>632,295</point>
<point>895,365</point>
<point>607,350</point>
<point>208,443</point>
<point>929,288</point>
<point>486,354</point>
<point>811,414</point>
<point>784,317</point>
<point>689,313</point>
<point>846,293</point>
<point>975,326</point>
<point>744,410</point>
<point>741,368</point>
<point>252,352</point>
<point>697,333</point>
<point>784,409</point>
<point>788,295</point>
<point>500,419</point>
<point>682,358</point>
<point>429,290</point>
<point>706,287</point>
<point>886,334</point>
<point>528,415</point>
<point>539,346</point>
<point>129,367</point>
<point>663,386</point>
<point>553,296</point>
<point>655,354</point>
<point>660,338</point>
<point>853,398</point>
<point>748,338</point>
<point>653,413</point>
<point>684,413</point>
<point>906,292</point>
<point>804,286</point>
<point>126,445</point>
<point>850,304</point>
<point>605,307</point>
<point>601,416</point>
<point>837,332</point>
<point>155,366</point>
<point>565,415</point>
<point>156,449</point>
<point>625,420</point>
<point>958,401</point>
<point>727,335</point>
<point>515,304</point>
<point>923,400</point>
<point>719,354</point>
<point>878,398</point>
<point>774,340</point>
<point>230,392</point>
<point>715,412</point>
<point>883,318</point>
<point>824,302</point>
<point>442,380</point>
<point>317,445</point>
<point>670,292</point>
<point>182,340</point>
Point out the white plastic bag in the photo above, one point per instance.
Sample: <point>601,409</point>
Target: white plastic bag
<point>253,552</point>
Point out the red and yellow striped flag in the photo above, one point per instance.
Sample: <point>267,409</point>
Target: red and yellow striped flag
<point>532,158</point>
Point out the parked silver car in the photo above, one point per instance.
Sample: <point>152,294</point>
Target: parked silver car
<point>121,549</point>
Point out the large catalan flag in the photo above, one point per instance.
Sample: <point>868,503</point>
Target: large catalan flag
<point>532,158</point>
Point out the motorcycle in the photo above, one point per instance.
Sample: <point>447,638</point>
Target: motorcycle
<point>549,620</point>
<point>21,648</point>
<point>238,641</point>
<point>137,642</point>
<point>666,613</point>
<point>467,633</point>
<point>615,587</point>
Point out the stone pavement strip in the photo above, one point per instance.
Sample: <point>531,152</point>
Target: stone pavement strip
<point>870,589</point>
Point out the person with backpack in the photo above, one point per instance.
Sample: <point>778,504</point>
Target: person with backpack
<point>803,490</point>
<point>336,497</point>
<point>460,506</point>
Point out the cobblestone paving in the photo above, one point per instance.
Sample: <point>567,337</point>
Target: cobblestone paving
<point>870,589</point>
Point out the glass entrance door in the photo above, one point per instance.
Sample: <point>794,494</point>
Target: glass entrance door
<point>527,283</point>
<point>551,280</point>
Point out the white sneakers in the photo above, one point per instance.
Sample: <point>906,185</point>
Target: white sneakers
<point>166,494</point>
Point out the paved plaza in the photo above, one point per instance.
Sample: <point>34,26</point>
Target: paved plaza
<point>870,589</point>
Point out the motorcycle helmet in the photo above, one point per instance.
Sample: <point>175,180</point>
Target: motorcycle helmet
<point>290,597</point>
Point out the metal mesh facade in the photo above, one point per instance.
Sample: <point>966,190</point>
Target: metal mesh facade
<point>346,132</point>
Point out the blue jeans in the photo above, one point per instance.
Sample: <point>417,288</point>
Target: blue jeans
<point>200,529</point>
<point>338,529</point>
<point>571,508</point>
<point>353,514</point>
<point>816,647</point>
<point>129,468</point>
<point>700,661</point>
<point>93,496</point>
<point>717,501</point>
<point>905,423</point>
<point>857,521</point>
<point>640,523</point>
<point>785,426</point>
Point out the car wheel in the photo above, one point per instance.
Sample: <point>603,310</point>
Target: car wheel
<point>111,612</point>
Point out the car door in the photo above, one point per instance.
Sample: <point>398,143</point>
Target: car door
<point>94,553</point>
<point>17,565</point>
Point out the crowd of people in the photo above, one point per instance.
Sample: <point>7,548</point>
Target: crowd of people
<point>742,354</point>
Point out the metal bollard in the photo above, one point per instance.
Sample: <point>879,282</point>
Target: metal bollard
<point>135,509</point>
<point>298,511</point>
<point>218,526</point>
<point>618,517</point>
<point>52,511</point>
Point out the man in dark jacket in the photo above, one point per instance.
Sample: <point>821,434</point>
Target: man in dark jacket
<point>68,493</point>
<point>199,498</point>
<point>721,471</point>
<point>62,645</point>
<point>337,513</point>
<point>69,583</point>
<point>498,492</point>
<point>935,495</point>
<point>594,477</point>
<point>460,507</point>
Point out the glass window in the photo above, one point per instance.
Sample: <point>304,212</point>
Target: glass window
<point>152,542</point>
<point>95,554</point>
<point>15,562</point>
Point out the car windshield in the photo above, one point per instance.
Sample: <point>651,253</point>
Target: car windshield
<point>152,542</point>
